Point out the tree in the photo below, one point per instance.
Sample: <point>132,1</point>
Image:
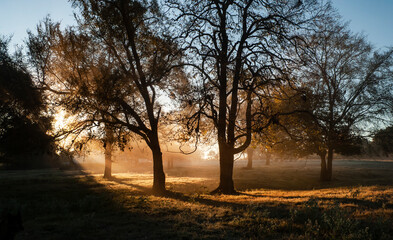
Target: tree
<point>108,145</point>
<point>236,48</point>
<point>250,154</point>
<point>78,79</point>
<point>127,68</point>
<point>292,129</point>
<point>23,125</point>
<point>384,139</point>
<point>254,149</point>
<point>340,73</point>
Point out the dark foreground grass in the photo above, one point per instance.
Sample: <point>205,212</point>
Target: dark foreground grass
<point>76,205</point>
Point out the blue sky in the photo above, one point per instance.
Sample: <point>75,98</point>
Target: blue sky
<point>372,17</point>
<point>16,16</point>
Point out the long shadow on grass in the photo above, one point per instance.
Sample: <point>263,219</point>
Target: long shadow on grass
<point>181,196</point>
<point>123,182</point>
<point>277,211</point>
<point>69,207</point>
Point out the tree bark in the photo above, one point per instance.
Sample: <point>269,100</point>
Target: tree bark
<point>108,153</point>
<point>323,175</point>
<point>226,185</point>
<point>158,169</point>
<point>268,156</point>
<point>329,164</point>
<point>108,160</point>
<point>250,154</point>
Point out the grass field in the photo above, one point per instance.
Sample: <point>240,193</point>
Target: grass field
<point>281,201</point>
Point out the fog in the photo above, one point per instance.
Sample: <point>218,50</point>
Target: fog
<point>137,157</point>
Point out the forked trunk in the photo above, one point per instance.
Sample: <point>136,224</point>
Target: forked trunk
<point>158,169</point>
<point>250,154</point>
<point>226,171</point>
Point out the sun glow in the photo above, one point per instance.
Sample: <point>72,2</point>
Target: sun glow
<point>60,121</point>
<point>62,128</point>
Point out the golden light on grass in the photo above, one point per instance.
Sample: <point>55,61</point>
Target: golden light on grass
<point>275,202</point>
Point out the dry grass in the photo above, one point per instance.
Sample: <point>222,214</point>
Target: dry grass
<point>283,201</point>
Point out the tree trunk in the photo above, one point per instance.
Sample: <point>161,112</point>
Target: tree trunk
<point>268,156</point>
<point>250,153</point>
<point>158,169</point>
<point>323,176</point>
<point>329,164</point>
<point>170,163</point>
<point>108,153</point>
<point>108,160</point>
<point>226,185</point>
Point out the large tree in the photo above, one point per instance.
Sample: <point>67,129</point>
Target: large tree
<point>236,48</point>
<point>78,79</point>
<point>340,73</point>
<point>126,71</point>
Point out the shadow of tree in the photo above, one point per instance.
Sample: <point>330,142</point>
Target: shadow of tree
<point>62,206</point>
<point>124,181</point>
<point>279,211</point>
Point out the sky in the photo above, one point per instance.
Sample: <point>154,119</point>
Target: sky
<point>374,18</point>
<point>16,16</point>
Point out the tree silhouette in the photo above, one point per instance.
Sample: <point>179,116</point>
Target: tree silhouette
<point>341,73</point>
<point>23,125</point>
<point>123,72</point>
<point>236,48</point>
<point>79,81</point>
<point>384,139</point>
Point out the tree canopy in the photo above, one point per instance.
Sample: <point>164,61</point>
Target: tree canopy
<point>114,68</point>
<point>23,126</point>
<point>339,73</point>
<point>288,76</point>
<point>236,49</point>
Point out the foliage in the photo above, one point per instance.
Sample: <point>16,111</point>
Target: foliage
<point>235,50</point>
<point>113,69</point>
<point>340,72</point>
<point>292,133</point>
<point>23,125</point>
<point>384,139</point>
<point>337,76</point>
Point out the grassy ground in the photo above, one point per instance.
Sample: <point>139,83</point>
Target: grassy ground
<point>282,201</point>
